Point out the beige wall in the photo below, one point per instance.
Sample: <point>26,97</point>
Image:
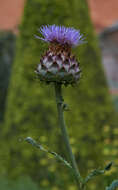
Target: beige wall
<point>103,12</point>
<point>10,14</point>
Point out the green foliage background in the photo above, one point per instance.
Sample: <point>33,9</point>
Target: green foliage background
<point>31,108</point>
<point>7,51</point>
<point>22,183</point>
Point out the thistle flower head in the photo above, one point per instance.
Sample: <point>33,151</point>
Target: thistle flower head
<point>58,64</point>
<point>61,34</point>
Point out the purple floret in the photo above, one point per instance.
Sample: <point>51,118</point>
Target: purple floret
<point>61,34</point>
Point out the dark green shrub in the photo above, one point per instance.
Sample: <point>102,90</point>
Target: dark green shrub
<point>22,183</point>
<point>7,49</point>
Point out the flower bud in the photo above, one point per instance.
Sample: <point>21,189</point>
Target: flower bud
<point>59,64</point>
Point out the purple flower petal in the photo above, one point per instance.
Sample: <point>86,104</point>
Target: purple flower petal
<point>61,34</point>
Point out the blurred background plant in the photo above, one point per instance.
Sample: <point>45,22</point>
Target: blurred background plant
<point>30,107</point>
<point>7,52</point>
<point>22,183</point>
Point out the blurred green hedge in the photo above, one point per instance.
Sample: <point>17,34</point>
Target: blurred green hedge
<point>7,51</point>
<point>31,109</point>
<point>22,183</point>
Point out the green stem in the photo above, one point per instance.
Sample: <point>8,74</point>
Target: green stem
<point>59,101</point>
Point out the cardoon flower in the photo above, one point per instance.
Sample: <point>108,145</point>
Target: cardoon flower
<point>59,64</point>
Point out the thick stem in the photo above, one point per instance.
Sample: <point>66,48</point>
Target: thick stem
<point>59,101</point>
